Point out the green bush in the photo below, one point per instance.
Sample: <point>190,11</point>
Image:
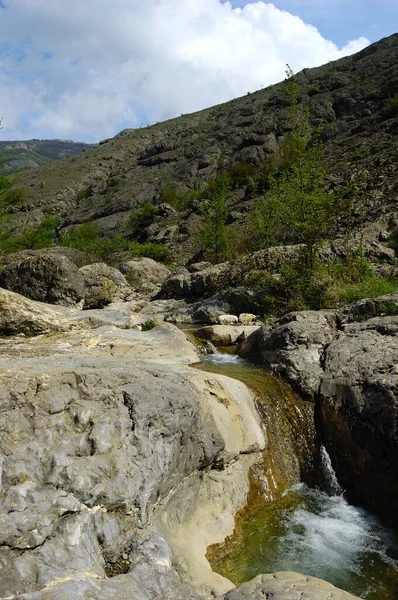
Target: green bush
<point>327,286</point>
<point>240,174</point>
<point>32,238</point>
<point>148,325</point>
<point>312,90</point>
<point>88,238</point>
<point>140,217</point>
<point>181,202</point>
<point>391,106</point>
<point>157,252</point>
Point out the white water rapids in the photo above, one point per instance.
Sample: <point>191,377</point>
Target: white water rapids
<point>315,532</point>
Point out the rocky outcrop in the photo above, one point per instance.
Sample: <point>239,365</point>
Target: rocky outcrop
<point>292,346</point>
<point>43,276</point>
<point>349,369</point>
<point>365,309</point>
<point>19,315</point>
<point>196,283</point>
<point>103,285</point>
<point>103,434</point>
<point>359,412</point>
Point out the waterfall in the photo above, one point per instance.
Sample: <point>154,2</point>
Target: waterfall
<point>330,483</point>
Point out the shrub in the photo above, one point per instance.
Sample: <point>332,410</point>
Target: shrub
<point>157,252</point>
<point>33,238</point>
<point>148,325</point>
<point>88,238</point>
<point>391,106</point>
<point>214,212</point>
<point>140,217</point>
<point>240,174</point>
<point>312,90</point>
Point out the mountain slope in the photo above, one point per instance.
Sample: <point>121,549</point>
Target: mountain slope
<point>354,98</point>
<point>18,155</point>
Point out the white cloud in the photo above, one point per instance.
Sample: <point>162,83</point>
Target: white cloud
<point>92,67</point>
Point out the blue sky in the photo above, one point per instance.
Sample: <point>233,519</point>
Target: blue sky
<point>85,69</point>
<point>341,20</point>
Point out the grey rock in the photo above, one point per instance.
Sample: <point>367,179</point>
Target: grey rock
<point>225,335</point>
<point>365,309</point>
<point>144,270</point>
<point>359,412</point>
<point>293,346</point>
<point>43,276</point>
<point>196,283</point>
<point>103,285</point>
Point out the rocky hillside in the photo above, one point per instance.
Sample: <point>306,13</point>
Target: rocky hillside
<point>354,98</point>
<point>18,155</point>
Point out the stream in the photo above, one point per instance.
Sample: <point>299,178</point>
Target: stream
<point>300,520</point>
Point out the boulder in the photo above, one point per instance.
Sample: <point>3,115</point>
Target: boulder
<point>247,318</point>
<point>359,412</point>
<point>140,271</point>
<point>43,276</point>
<point>196,283</point>
<point>103,285</point>
<point>225,335</point>
<point>227,319</point>
<point>293,345</point>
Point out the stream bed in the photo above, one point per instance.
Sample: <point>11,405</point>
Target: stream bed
<point>308,527</point>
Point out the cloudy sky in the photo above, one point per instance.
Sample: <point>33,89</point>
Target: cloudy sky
<point>85,69</point>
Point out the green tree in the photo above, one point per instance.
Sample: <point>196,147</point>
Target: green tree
<point>214,212</point>
<point>297,204</point>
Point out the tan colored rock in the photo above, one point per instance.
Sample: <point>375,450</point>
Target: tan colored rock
<point>21,315</point>
<point>247,318</point>
<point>225,335</point>
<point>287,585</point>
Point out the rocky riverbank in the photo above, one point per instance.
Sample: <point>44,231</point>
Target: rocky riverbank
<point>119,463</point>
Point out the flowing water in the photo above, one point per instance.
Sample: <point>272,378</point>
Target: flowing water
<point>303,528</point>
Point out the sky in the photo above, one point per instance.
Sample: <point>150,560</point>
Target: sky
<point>86,69</point>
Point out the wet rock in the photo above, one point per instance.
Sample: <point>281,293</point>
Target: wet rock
<point>359,412</point>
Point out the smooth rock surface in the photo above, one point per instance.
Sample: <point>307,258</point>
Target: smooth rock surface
<point>144,270</point>
<point>225,335</point>
<point>287,586</point>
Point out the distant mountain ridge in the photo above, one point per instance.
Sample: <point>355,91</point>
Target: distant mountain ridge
<point>19,155</point>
